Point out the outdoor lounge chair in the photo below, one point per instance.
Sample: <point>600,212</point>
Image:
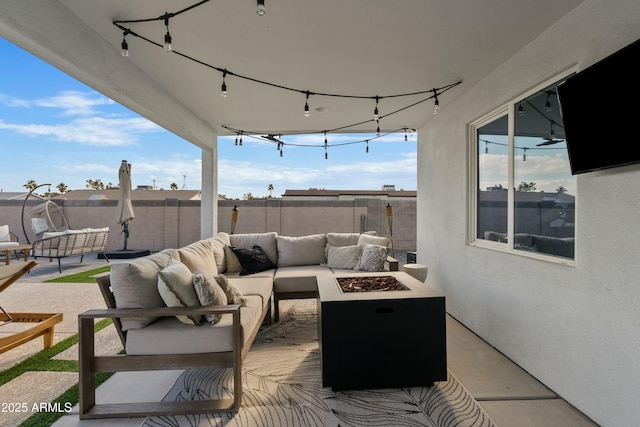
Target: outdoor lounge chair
<point>44,322</point>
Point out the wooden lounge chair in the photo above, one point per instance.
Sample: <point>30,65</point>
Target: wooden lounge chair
<point>44,322</point>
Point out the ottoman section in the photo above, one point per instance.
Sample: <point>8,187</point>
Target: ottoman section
<point>296,282</point>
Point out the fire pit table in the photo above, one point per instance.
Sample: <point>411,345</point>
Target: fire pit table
<point>374,338</point>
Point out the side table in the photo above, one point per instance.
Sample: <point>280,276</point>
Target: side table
<point>417,271</point>
<point>7,252</point>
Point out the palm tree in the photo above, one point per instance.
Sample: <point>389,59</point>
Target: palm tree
<point>270,190</point>
<point>62,188</point>
<point>30,185</point>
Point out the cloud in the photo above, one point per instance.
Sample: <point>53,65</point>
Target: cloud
<point>74,102</point>
<point>93,131</point>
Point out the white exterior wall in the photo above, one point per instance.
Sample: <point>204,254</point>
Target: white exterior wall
<point>577,329</point>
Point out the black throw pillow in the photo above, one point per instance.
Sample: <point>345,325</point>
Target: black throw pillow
<point>252,260</point>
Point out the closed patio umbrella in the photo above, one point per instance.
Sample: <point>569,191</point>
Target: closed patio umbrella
<point>125,209</point>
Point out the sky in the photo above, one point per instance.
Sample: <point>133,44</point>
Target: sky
<point>55,129</point>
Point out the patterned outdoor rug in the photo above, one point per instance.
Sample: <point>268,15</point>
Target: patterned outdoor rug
<point>282,383</point>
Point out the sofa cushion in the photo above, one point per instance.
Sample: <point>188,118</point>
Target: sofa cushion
<point>199,255</point>
<point>372,258</point>
<point>218,243</point>
<point>303,250</point>
<point>252,260</point>
<point>209,293</point>
<point>170,336</point>
<point>252,285</point>
<point>175,285</point>
<point>135,284</point>
<point>343,257</point>
<point>267,241</point>
<point>300,278</point>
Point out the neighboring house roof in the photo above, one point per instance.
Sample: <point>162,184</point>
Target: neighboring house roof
<point>136,194</point>
<point>15,195</point>
<point>348,194</point>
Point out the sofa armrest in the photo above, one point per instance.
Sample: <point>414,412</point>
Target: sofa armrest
<point>393,263</point>
<point>123,313</point>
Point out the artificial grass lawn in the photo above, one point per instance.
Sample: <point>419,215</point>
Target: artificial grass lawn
<point>84,277</point>
<point>42,361</point>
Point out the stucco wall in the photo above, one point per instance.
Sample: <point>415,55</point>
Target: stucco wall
<point>173,223</point>
<point>574,328</point>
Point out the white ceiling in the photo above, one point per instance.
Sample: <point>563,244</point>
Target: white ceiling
<point>353,47</point>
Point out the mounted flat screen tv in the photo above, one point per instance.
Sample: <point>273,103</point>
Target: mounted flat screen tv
<point>599,112</point>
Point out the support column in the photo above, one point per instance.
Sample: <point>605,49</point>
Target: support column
<point>209,197</point>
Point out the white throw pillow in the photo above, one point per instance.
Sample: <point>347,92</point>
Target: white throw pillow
<point>209,293</point>
<point>343,256</point>
<point>373,258</point>
<point>175,284</point>
<point>374,240</point>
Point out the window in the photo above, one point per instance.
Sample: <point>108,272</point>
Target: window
<point>523,193</point>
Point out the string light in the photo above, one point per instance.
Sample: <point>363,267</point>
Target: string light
<point>261,10</point>
<point>125,46</point>
<point>436,92</point>
<point>378,128</point>
<point>223,89</point>
<point>436,103</point>
<point>524,155</point>
<point>306,105</point>
<point>520,109</point>
<point>376,115</point>
<point>367,149</point>
<point>167,37</point>
<point>547,104</point>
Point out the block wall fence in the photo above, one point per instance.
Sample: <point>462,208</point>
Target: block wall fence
<point>172,223</point>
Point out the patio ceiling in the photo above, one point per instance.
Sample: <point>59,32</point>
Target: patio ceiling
<point>354,47</point>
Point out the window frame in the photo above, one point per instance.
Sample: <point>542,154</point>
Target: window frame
<point>508,109</point>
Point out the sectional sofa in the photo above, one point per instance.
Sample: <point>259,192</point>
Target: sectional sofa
<point>202,305</point>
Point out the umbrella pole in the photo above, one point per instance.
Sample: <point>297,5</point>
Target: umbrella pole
<point>125,230</point>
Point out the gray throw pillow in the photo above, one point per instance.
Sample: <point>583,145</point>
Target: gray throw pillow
<point>233,294</point>
<point>373,258</point>
<point>209,293</point>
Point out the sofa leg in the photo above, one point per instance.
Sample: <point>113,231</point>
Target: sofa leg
<point>276,309</point>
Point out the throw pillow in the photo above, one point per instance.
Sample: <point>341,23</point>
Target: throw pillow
<point>233,294</point>
<point>252,260</point>
<point>175,284</point>
<point>209,293</point>
<point>343,256</point>
<point>372,258</point>
<point>232,263</point>
<point>374,240</point>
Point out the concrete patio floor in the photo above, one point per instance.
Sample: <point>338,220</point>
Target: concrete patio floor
<point>510,396</point>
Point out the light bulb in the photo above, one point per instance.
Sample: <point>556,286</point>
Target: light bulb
<point>223,92</point>
<point>167,42</point>
<point>125,48</point>
<point>376,115</point>
<point>261,9</point>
